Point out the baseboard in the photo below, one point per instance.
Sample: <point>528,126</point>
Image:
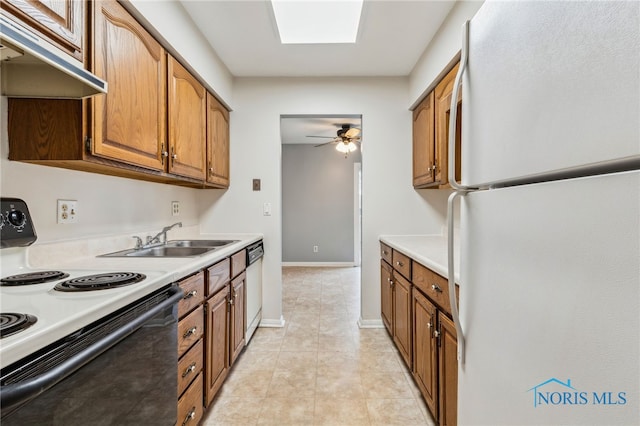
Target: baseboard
<point>272,323</point>
<point>362,323</point>
<point>320,264</point>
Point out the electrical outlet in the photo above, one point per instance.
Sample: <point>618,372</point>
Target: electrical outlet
<point>315,249</point>
<point>175,208</point>
<point>67,211</point>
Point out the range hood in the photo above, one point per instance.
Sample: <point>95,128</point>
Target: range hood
<point>31,68</point>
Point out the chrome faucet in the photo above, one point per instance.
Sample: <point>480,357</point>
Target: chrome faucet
<point>156,239</point>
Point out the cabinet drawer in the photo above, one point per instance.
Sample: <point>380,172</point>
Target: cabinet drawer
<point>402,264</point>
<point>217,277</point>
<point>385,253</point>
<point>193,288</point>
<point>238,263</point>
<point>433,286</point>
<point>190,405</point>
<point>190,330</point>
<point>189,366</point>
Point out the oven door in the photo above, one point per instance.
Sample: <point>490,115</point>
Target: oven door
<point>120,370</point>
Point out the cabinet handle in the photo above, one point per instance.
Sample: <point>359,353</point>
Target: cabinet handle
<point>163,154</point>
<point>190,332</point>
<point>190,369</point>
<point>173,154</point>
<point>231,300</point>
<point>190,294</point>
<point>385,252</point>
<point>429,325</point>
<point>399,263</point>
<point>434,168</point>
<point>190,415</point>
<point>436,333</point>
<point>436,288</point>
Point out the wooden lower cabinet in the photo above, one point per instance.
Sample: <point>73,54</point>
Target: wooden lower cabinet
<point>386,295</point>
<point>447,371</point>
<point>402,317</point>
<point>416,313</point>
<point>190,409</point>
<point>190,349</point>
<point>217,341</point>
<point>237,307</point>
<point>425,349</point>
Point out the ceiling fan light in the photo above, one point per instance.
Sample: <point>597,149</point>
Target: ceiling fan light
<point>345,147</point>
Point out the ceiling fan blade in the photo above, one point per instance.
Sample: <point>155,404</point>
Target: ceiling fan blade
<point>352,132</point>
<point>332,137</point>
<point>323,144</point>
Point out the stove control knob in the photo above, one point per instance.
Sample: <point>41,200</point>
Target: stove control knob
<point>17,218</point>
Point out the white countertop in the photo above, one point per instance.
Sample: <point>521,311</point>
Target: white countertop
<point>428,250</point>
<point>60,313</point>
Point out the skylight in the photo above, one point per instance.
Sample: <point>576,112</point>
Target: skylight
<point>317,21</point>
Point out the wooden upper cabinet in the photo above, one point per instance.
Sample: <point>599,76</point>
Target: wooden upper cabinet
<point>60,22</point>
<point>424,142</point>
<point>128,122</point>
<point>443,93</point>
<point>187,122</point>
<point>431,135</point>
<point>217,143</point>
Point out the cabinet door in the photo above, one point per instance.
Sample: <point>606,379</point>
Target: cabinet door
<point>402,317</point>
<point>386,296</point>
<point>424,142</point>
<point>129,121</point>
<point>443,93</point>
<point>60,21</point>
<point>447,371</point>
<point>187,122</point>
<point>217,143</point>
<point>217,343</point>
<point>425,361</point>
<point>237,328</point>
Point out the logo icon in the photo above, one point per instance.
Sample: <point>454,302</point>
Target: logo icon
<point>556,392</point>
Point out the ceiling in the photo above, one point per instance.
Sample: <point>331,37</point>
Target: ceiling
<point>392,36</point>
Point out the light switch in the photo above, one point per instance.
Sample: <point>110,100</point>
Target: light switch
<point>266,209</point>
<point>256,184</point>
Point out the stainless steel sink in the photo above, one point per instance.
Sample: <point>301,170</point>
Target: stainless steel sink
<point>200,243</point>
<point>176,248</point>
<point>165,251</point>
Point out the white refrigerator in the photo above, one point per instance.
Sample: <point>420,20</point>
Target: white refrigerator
<point>549,314</point>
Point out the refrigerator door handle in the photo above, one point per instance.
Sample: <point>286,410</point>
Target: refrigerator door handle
<point>451,275</point>
<point>453,117</point>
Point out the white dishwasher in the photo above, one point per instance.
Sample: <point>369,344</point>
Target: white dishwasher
<point>253,310</point>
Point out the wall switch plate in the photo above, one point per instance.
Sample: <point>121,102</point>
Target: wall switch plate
<point>67,211</point>
<point>256,184</point>
<point>175,208</point>
<point>266,209</point>
<point>315,249</point>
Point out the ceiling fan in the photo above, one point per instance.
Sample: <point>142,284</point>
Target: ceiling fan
<point>346,139</point>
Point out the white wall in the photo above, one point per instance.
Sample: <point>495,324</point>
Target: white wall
<point>441,50</point>
<point>174,25</point>
<point>107,205</point>
<point>390,204</point>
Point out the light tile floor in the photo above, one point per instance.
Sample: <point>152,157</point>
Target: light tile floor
<point>320,369</point>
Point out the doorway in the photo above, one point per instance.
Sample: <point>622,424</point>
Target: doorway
<point>321,190</point>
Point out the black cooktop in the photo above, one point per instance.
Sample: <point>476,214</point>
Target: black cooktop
<point>100,281</point>
<point>33,278</point>
<point>11,323</point>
